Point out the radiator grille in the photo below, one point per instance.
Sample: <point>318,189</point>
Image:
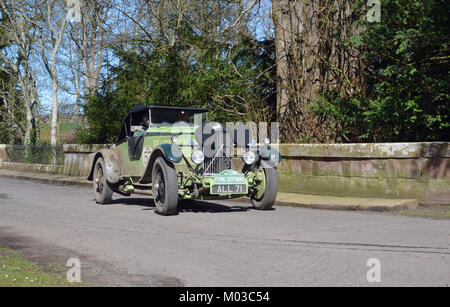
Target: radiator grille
<point>219,164</point>
<point>216,159</point>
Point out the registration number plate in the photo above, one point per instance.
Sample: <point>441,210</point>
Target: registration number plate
<point>229,189</point>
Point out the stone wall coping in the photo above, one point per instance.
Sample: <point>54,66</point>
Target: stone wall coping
<point>84,148</point>
<point>350,151</point>
<point>367,150</point>
<point>66,147</point>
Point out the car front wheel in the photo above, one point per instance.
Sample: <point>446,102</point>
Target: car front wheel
<point>267,189</point>
<point>164,187</point>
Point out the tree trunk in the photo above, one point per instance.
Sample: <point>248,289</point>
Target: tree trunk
<point>313,58</point>
<point>29,93</point>
<point>54,124</point>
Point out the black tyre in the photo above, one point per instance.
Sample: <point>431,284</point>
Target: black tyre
<point>268,197</point>
<point>102,189</point>
<point>164,187</point>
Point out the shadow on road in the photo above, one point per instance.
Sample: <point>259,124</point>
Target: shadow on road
<point>209,207</point>
<point>183,206</point>
<point>134,201</point>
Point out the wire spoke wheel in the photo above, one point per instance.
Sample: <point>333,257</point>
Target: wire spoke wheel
<point>160,187</point>
<point>99,180</point>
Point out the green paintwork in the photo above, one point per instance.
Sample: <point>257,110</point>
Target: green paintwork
<point>260,179</point>
<point>157,135</point>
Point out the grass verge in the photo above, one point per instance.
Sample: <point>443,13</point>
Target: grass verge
<point>433,212</point>
<point>16,271</point>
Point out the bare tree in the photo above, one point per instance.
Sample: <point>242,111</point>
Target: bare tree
<point>11,106</point>
<point>17,56</point>
<point>219,21</point>
<point>76,73</point>
<point>51,31</point>
<point>88,36</point>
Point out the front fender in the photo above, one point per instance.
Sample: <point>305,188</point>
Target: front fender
<point>170,152</point>
<point>112,165</point>
<point>268,153</point>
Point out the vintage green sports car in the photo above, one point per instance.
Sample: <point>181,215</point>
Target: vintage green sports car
<point>163,149</point>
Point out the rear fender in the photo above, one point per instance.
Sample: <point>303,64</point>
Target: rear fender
<point>112,165</point>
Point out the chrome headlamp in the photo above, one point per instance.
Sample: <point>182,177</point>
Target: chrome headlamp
<point>197,156</point>
<point>249,157</point>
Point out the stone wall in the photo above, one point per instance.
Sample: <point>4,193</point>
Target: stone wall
<point>391,170</point>
<point>76,161</point>
<point>34,168</point>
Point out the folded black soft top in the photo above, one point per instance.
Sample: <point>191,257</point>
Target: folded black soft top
<point>141,108</point>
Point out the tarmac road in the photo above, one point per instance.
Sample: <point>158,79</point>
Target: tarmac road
<point>224,243</point>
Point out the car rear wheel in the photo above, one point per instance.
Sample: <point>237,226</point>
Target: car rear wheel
<point>165,187</point>
<point>102,189</point>
<point>266,195</point>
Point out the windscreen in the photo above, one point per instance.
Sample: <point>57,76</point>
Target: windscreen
<point>172,116</point>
